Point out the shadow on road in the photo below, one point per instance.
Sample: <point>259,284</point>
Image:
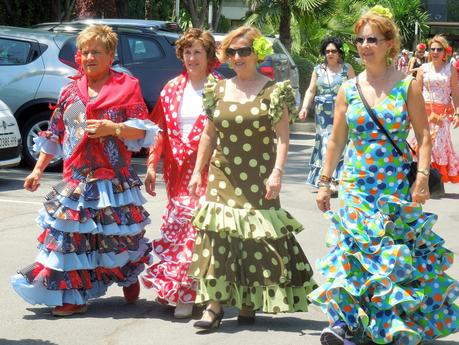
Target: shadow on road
<point>25,342</point>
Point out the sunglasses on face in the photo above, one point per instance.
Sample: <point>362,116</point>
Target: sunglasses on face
<point>242,52</point>
<point>371,40</point>
<point>438,50</point>
<point>331,51</point>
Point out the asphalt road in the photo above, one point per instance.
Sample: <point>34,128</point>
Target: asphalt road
<point>110,321</point>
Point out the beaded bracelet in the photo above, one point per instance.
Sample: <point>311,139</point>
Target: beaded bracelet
<point>325,178</point>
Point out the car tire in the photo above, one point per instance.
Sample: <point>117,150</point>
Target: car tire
<point>39,122</point>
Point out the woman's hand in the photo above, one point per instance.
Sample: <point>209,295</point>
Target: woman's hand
<point>323,199</point>
<point>100,128</point>
<point>150,181</point>
<point>273,185</point>
<point>420,189</point>
<point>195,185</point>
<point>456,121</point>
<point>32,182</point>
<point>303,114</point>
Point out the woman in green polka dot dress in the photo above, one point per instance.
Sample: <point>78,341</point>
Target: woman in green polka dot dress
<point>245,253</point>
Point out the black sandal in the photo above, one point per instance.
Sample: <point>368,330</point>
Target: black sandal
<point>246,319</point>
<point>214,323</point>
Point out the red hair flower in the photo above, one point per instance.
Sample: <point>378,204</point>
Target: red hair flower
<point>449,50</point>
<point>422,46</point>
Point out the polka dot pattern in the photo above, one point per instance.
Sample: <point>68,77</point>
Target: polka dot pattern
<point>388,267</point>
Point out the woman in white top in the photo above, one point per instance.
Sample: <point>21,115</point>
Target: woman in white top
<point>179,113</point>
<point>439,85</point>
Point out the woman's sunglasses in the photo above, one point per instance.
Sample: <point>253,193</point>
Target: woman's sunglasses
<point>331,51</point>
<point>242,52</point>
<point>438,50</point>
<point>370,40</point>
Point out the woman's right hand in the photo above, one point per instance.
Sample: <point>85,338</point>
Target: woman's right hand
<point>323,199</point>
<point>303,114</point>
<point>150,181</point>
<point>32,182</point>
<point>195,184</point>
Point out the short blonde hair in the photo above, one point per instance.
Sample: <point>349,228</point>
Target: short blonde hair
<point>441,40</point>
<point>387,28</point>
<point>99,32</point>
<point>249,32</point>
<point>203,36</point>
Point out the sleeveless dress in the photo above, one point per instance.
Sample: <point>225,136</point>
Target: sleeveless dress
<point>437,95</point>
<point>327,89</point>
<point>245,251</point>
<point>386,271</point>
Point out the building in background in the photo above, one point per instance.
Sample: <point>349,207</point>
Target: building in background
<point>443,19</point>
<point>234,11</point>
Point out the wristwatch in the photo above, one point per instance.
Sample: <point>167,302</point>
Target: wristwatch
<point>425,172</point>
<point>117,130</point>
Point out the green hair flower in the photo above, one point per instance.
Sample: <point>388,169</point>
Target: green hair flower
<point>381,11</point>
<point>262,47</point>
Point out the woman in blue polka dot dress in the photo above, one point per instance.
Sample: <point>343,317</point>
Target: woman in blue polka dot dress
<point>386,279</point>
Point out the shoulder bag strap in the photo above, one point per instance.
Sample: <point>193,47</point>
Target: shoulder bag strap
<point>374,118</point>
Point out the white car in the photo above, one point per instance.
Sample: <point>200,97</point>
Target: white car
<point>10,138</point>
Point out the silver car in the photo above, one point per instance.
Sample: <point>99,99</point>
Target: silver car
<point>10,138</point>
<point>31,76</point>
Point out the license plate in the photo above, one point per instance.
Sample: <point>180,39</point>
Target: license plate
<point>8,142</point>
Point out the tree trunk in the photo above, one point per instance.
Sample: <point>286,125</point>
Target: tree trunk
<point>122,7</point>
<point>285,34</point>
<point>67,11</point>
<point>198,10</point>
<point>148,8</point>
<point>56,10</point>
<point>217,12</point>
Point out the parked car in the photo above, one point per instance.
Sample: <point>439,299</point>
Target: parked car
<point>10,138</point>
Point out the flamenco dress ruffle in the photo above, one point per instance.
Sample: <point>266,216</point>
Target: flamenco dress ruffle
<point>92,235</point>
<point>386,274</point>
<point>255,256</point>
<point>169,276</point>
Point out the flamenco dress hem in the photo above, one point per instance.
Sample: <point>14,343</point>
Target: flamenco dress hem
<point>250,257</point>
<point>389,275</point>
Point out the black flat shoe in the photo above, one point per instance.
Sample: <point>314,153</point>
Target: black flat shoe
<point>214,323</point>
<point>246,320</point>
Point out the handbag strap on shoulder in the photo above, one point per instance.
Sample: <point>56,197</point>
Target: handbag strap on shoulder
<point>374,118</point>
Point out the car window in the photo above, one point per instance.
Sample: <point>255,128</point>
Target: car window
<point>14,52</point>
<point>142,48</point>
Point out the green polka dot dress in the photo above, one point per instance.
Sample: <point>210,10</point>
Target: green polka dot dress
<point>245,252</point>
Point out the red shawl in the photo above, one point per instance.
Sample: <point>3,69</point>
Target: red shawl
<point>178,154</point>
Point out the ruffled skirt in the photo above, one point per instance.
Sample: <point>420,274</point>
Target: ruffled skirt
<point>386,274</point>
<point>92,236</point>
<point>169,277</point>
<point>250,258</point>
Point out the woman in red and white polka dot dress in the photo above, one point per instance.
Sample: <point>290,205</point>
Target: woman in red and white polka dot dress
<point>179,113</point>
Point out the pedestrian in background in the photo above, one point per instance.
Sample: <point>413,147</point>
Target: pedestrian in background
<point>417,60</point>
<point>246,254</point>
<point>93,221</point>
<point>385,274</point>
<point>439,81</point>
<point>180,114</point>
<point>326,79</point>
<point>402,63</point>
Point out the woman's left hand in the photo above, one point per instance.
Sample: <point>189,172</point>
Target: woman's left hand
<point>273,185</point>
<point>455,121</point>
<point>100,128</point>
<point>420,189</point>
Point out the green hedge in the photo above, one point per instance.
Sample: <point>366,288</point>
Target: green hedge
<point>305,69</point>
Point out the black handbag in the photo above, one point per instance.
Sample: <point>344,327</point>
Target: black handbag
<point>435,184</point>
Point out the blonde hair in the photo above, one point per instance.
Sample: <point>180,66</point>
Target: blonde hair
<point>441,40</point>
<point>249,32</point>
<point>205,37</point>
<point>99,32</point>
<point>387,28</point>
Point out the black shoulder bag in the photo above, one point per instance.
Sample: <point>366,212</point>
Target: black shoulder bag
<point>435,184</point>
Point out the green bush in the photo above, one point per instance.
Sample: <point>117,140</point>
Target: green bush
<point>305,68</point>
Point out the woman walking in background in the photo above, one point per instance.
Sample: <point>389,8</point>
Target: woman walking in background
<point>386,279</point>
<point>179,113</point>
<point>417,60</point>
<point>246,254</point>
<point>439,86</point>
<point>326,79</point>
<point>93,221</point>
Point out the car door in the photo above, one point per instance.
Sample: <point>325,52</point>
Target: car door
<point>21,70</point>
<point>151,59</point>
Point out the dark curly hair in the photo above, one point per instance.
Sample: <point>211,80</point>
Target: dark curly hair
<point>334,40</point>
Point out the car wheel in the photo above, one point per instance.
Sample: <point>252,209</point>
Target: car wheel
<point>38,123</point>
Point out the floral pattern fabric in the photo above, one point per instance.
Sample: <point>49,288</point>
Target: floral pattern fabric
<point>385,273</point>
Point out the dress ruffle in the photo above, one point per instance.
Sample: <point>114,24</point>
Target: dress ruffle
<point>83,250</point>
<point>245,223</point>
<point>150,132</point>
<point>52,147</point>
<point>282,95</point>
<point>386,274</point>
<point>169,276</point>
